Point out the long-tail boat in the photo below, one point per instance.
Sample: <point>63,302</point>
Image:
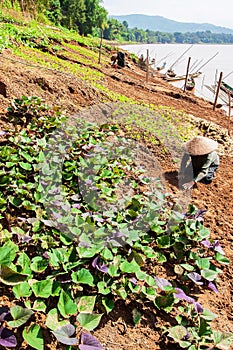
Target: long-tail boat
<point>226,88</point>
<point>181,77</point>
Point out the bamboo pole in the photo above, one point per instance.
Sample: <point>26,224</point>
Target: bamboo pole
<point>178,59</point>
<point>215,80</point>
<point>202,83</point>
<point>195,63</point>
<point>199,68</point>
<point>217,92</point>
<point>226,76</point>
<point>187,73</point>
<point>164,57</point>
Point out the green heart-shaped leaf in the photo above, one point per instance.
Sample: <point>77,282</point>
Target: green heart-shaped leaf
<point>20,316</point>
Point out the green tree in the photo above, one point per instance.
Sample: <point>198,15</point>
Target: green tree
<point>112,30</point>
<point>125,24</point>
<point>179,37</point>
<point>140,35</point>
<point>151,37</point>
<point>95,14</point>
<point>74,14</point>
<point>53,11</point>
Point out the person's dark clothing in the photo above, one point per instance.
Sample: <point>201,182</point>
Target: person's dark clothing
<point>201,168</point>
<point>121,59</point>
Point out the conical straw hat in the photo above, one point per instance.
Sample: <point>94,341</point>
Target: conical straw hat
<point>200,145</point>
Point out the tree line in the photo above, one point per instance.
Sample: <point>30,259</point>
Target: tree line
<point>88,17</point>
<point>121,32</point>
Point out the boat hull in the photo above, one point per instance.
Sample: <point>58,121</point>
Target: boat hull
<point>181,77</point>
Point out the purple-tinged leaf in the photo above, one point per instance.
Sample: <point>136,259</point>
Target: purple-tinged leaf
<point>54,191</point>
<point>84,244</point>
<point>96,263</point>
<point>93,188</point>
<point>187,336</point>
<point>75,197</point>
<point>89,146</point>
<point>99,149</point>
<point>3,313</point>
<point>218,248</point>
<point>57,215</point>
<point>198,307</point>
<point>212,286</point>
<point>57,203</point>
<point>97,219</point>
<point>180,294</point>
<point>77,206</point>
<point>162,283</point>
<point>116,239</point>
<point>89,342</point>
<point>46,255</point>
<point>64,334</point>
<point>134,281</point>
<point>199,215</point>
<point>206,243</point>
<point>195,277</point>
<point>24,239</point>
<point>2,133</point>
<point>44,183</point>
<point>116,234</point>
<point>87,214</point>
<point>88,182</point>
<point>3,316</point>
<point>7,338</point>
<point>49,223</point>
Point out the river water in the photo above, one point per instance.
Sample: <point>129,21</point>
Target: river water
<point>211,60</point>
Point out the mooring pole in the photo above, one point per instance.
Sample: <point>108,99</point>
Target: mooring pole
<point>215,80</point>
<point>187,73</point>
<point>100,48</point>
<point>217,92</point>
<point>229,113</point>
<point>147,65</point>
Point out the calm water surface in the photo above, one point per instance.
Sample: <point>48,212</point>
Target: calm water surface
<point>200,55</point>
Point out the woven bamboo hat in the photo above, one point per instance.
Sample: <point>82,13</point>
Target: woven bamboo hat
<point>200,145</point>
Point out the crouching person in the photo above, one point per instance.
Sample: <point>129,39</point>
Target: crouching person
<point>199,163</point>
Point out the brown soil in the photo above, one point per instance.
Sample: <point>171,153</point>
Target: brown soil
<point>117,332</point>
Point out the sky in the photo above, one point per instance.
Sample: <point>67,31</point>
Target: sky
<point>217,12</point>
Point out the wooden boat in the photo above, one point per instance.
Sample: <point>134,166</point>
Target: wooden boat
<point>190,84</point>
<point>159,68</point>
<point>181,77</point>
<point>170,73</point>
<point>226,88</point>
<point>222,94</point>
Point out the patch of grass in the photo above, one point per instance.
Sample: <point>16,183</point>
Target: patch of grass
<point>46,60</point>
<point>78,58</point>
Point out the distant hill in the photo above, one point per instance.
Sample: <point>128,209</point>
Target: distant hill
<point>162,24</point>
